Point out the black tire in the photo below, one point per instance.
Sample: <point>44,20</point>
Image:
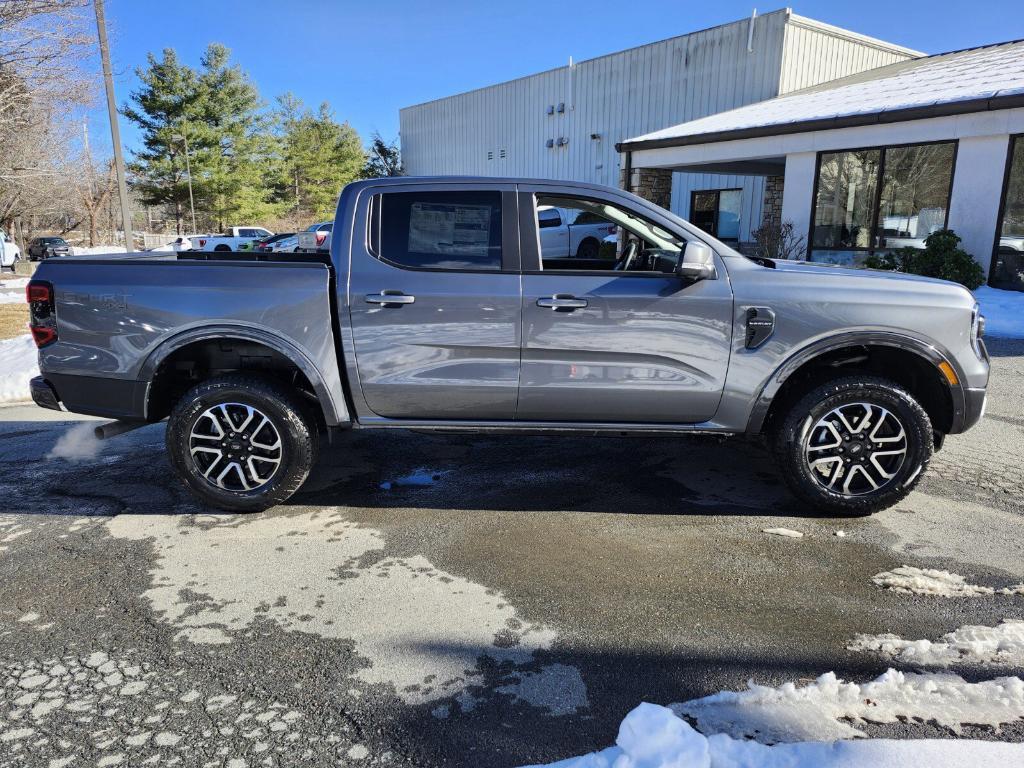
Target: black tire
<point>791,444</point>
<point>222,247</point>
<point>588,249</point>
<point>287,414</point>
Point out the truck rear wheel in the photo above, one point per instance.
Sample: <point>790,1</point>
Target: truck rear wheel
<point>241,443</point>
<point>853,446</point>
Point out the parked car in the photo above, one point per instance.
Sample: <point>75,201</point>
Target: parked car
<point>566,232</point>
<point>40,248</point>
<point>235,239</point>
<point>315,238</point>
<point>280,243</point>
<point>10,253</point>
<point>437,311</point>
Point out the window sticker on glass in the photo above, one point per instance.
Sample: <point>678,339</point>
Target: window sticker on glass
<point>440,228</point>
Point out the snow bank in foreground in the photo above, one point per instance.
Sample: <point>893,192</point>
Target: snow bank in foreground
<point>85,250</point>
<point>653,737</point>
<point>18,364</point>
<point>817,712</point>
<point>1001,646</point>
<point>1003,311</point>
<point>929,581</point>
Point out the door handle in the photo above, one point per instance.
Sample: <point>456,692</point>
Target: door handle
<point>389,298</point>
<point>562,302</point>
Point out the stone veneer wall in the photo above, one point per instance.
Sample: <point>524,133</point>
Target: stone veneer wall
<point>654,184</point>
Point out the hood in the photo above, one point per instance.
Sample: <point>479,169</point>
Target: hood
<point>813,267</point>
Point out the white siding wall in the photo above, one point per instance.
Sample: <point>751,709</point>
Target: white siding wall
<point>618,96</point>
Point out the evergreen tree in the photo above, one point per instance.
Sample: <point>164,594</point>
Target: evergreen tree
<point>216,111</point>
<point>318,156</point>
<point>382,159</point>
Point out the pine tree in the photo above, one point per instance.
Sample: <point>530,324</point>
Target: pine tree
<point>319,156</point>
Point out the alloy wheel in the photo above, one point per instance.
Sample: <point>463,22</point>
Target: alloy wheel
<point>235,447</point>
<point>856,449</point>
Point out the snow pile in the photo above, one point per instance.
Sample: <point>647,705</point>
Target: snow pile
<point>1003,311</point>
<point>819,711</point>
<point>418,477</point>
<point>929,581</point>
<point>18,364</point>
<point>13,291</point>
<point>1002,646</point>
<point>787,532</point>
<point>653,737</point>
<point>96,250</point>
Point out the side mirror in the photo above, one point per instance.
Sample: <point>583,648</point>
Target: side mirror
<point>697,262</point>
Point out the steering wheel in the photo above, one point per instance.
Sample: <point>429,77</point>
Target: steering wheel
<point>628,256</point>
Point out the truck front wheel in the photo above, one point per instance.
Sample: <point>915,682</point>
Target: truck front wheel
<point>241,443</point>
<point>853,446</point>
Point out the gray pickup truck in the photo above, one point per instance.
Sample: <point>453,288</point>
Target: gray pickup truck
<point>436,308</point>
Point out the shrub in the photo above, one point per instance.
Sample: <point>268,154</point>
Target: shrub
<point>778,242</point>
<point>941,257</point>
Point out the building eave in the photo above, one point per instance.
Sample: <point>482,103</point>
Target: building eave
<point>946,109</point>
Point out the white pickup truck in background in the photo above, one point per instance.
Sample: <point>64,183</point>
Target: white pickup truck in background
<point>235,239</point>
<point>571,232</point>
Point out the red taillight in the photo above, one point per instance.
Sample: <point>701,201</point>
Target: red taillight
<point>43,334</point>
<point>38,292</point>
<point>42,317</point>
<point>320,237</point>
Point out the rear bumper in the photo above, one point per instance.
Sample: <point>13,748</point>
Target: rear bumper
<point>43,394</point>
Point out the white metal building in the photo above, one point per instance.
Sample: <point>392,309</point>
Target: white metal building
<point>878,160</point>
<point>565,123</point>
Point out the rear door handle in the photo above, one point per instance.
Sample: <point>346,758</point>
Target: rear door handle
<point>563,302</point>
<point>390,298</point>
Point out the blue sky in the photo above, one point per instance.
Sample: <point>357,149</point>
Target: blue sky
<point>368,59</point>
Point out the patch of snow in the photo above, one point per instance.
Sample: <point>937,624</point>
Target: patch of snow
<point>789,532</point>
<point>417,478</point>
<point>13,291</point>
<point>840,534</point>
<point>1003,311</point>
<point>994,646</point>
<point>19,362</point>
<point>929,581</point>
<point>820,711</point>
<point>96,250</point>
<point>653,737</point>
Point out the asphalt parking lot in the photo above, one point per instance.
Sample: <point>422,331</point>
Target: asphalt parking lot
<point>457,601</point>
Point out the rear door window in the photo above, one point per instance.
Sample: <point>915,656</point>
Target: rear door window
<point>441,230</point>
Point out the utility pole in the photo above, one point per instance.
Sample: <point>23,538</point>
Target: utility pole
<point>188,169</point>
<point>115,131</point>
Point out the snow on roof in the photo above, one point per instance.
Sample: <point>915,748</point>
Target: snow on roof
<point>975,74</point>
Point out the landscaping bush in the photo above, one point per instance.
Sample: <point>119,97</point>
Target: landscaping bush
<point>779,242</point>
<point>941,257</point>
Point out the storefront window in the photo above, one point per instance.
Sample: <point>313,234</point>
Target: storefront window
<point>1008,265</point>
<point>900,194</point>
<point>717,212</point>
<point>847,188</point>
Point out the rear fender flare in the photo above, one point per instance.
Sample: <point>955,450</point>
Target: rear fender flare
<point>335,413</point>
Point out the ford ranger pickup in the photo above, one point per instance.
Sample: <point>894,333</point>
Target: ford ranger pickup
<point>438,307</point>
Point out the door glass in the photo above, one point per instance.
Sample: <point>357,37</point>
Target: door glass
<point>847,185</point>
<point>441,230</point>
<point>729,214</point>
<point>604,236</point>
<point>915,190</point>
<point>1008,265</point>
<point>704,212</point>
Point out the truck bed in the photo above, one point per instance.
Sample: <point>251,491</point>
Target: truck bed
<point>119,316</point>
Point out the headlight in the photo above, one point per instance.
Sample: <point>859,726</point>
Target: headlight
<point>977,329</point>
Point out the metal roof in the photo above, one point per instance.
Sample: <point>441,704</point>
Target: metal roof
<point>971,80</point>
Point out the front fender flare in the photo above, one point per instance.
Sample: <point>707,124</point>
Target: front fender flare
<point>929,350</point>
<point>335,411</point>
